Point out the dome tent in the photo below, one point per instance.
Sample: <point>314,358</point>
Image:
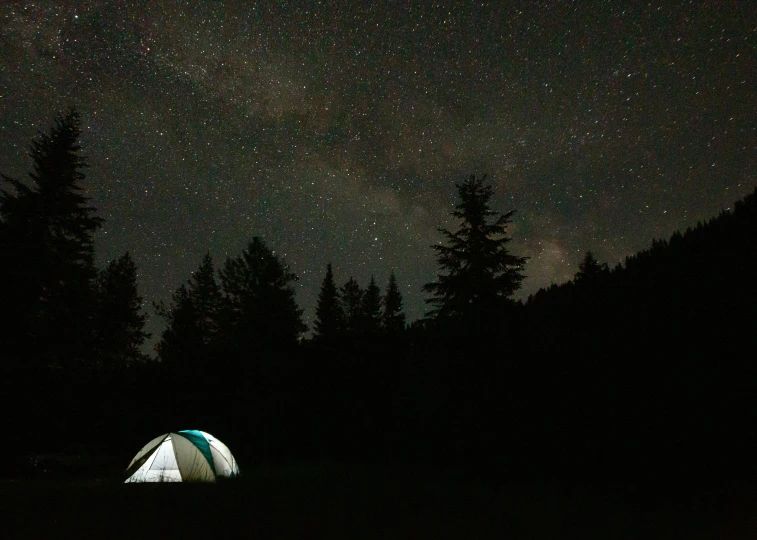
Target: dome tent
<point>184,456</point>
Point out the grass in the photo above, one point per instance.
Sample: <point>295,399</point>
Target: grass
<point>365,502</point>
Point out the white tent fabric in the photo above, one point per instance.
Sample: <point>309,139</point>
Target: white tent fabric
<point>225,464</point>
<point>184,456</point>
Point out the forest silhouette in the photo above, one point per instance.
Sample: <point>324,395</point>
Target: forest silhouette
<point>645,368</point>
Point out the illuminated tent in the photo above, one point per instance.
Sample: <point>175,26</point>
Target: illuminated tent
<point>184,456</point>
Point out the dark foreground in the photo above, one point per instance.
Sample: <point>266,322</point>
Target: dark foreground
<point>378,502</point>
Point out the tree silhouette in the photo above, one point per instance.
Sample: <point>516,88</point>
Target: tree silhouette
<point>47,254</point>
<point>207,300</point>
<point>193,321</point>
<point>371,309</point>
<point>392,317</point>
<point>352,298</point>
<point>180,341</point>
<point>329,321</point>
<point>589,270</point>
<point>481,275</point>
<point>119,321</point>
<point>259,304</point>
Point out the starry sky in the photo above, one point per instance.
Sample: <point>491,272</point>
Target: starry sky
<point>337,131</point>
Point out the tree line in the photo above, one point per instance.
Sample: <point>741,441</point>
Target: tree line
<point>601,367</point>
<point>83,317</point>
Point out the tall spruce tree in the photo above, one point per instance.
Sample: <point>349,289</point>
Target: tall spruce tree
<point>479,275</point>
<point>329,322</point>
<point>47,252</point>
<point>193,321</point>
<point>392,316</point>
<point>180,343</point>
<point>205,293</point>
<point>352,300</point>
<point>260,306</point>
<point>371,309</point>
<point>119,322</point>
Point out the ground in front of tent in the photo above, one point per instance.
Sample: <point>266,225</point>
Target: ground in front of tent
<point>349,501</point>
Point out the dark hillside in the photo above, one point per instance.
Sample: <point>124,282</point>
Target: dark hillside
<point>655,359</point>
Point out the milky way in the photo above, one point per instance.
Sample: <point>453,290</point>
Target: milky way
<point>338,132</point>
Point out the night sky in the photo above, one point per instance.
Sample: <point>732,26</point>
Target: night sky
<point>337,133</point>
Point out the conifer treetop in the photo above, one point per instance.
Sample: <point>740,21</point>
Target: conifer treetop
<point>329,314</point>
<point>478,271</point>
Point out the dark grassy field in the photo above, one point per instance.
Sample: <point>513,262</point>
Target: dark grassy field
<point>377,502</point>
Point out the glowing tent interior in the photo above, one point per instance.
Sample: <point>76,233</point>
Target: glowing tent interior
<point>184,456</point>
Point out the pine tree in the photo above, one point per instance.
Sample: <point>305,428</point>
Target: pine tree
<point>205,293</point>
<point>352,300</point>
<point>590,271</point>
<point>47,254</point>
<point>119,321</point>
<point>329,321</point>
<point>180,342</point>
<point>371,309</point>
<point>260,306</point>
<point>193,321</point>
<point>481,275</point>
<point>392,317</point>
